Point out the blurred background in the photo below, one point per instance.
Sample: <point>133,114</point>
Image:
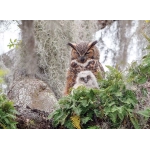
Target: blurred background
<point>38,48</point>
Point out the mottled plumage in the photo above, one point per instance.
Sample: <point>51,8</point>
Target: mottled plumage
<point>84,56</point>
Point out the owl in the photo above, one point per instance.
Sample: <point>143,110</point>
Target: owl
<point>87,79</point>
<point>84,56</point>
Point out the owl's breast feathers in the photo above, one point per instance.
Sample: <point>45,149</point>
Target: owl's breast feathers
<point>76,67</point>
<point>92,65</point>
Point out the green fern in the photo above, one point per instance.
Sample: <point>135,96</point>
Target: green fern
<point>7,110</point>
<point>7,113</point>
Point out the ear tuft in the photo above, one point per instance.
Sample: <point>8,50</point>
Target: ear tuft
<point>92,44</point>
<point>72,45</point>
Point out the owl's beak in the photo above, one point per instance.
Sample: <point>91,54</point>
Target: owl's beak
<point>82,59</point>
<point>85,80</point>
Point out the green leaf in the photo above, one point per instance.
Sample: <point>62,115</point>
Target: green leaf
<point>84,103</point>
<point>129,101</point>
<point>113,117</point>
<point>111,104</point>
<point>97,112</point>
<point>134,121</point>
<point>91,93</point>
<point>13,126</point>
<point>68,124</point>
<point>93,127</point>
<point>114,108</point>
<point>77,111</point>
<point>57,115</point>
<point>11,41</point>
<point>121,116</point>
<point>85,120</point>
<point>6,120</point>
<point>107,110</point>
<point>118,94</point>
<point>142,80</point>
<point>145,113</point>
<point>11,116</point>
<point>63,119</point>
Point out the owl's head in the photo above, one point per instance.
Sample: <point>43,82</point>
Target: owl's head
<point>84,51</point>
<point>87,79</point>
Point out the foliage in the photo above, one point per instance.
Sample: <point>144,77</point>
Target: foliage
<point>7,113</point>
<point>117,101</point>
<point>145,113</point>
<point>7,110</point>
<point>140,73</point>
<point>139,76</point>
<point>113,103</point>
<point>77,110</point>
<point>14,44</point>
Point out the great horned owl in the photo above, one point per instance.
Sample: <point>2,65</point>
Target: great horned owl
<point>87,79</point>
<point>84,56</point>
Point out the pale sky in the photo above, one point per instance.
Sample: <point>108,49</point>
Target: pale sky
<point>11,33</point>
